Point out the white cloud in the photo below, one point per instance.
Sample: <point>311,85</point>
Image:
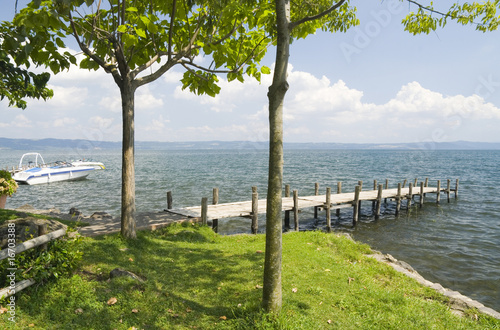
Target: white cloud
<point>63,122</point>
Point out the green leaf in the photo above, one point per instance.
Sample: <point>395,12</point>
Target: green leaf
<point>265,70</point>
<point>140,32</point>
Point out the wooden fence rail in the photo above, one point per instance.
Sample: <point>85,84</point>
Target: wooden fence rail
<point>32,243</point>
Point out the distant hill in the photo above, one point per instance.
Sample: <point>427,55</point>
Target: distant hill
<point>46,144</point>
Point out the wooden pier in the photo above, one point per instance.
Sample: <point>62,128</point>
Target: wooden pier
<point>328,202</point>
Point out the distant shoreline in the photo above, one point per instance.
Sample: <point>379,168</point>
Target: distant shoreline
<point>80,144</point>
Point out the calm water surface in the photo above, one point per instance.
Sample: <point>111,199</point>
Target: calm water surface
<point>455,244</point>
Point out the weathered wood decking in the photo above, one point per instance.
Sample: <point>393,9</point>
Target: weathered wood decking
<point>328,202</point>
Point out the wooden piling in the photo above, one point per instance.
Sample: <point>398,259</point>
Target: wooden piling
<point>448,188</point>
<point>374,202</point>
<point>215,201</point>
<point>355,204</point>
<point>426,184</point>
<point>415,182</point>
<point>398,199</point>
<point>339,191</point>
<point>404,183</point>
<point>386,187</point>
<point>421,201</point>
<point>379,201</point>
<point>287,213</point>
<point>204,210</point>
<point>296,209</point>
<point>410,196</point>
<point>316,193</point>
<point>438,193</point>
<point>255,210</point>
<point>360,183</point>
<point>169,200</point>
<point>456,189</point>
<point>327,209</point>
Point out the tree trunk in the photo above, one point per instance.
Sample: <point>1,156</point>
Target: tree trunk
<point>128,167</point>
<point>272,297</point>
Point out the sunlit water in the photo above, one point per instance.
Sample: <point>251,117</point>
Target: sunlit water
<point>455,244</point>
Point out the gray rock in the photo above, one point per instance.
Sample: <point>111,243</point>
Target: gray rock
<point>101,216</point>
<point>117,272</point>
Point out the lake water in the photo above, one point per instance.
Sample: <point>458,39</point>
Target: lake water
<point>455,244</point>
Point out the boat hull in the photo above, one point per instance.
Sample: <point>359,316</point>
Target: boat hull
<point>48,175</point>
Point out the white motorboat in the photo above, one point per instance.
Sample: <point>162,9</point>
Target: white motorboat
<point>38,172</point>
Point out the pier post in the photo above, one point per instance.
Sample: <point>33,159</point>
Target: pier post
<point>456,189</point>
<point>355,204</point>
<point>255,210</point>
<point>448,188</point>
<point>379,201</point>
<point>415,182</point>
<point>410,196</point>
<point>169,200</point>
<point>316,193</point>
<point>204,211</point>
<point>386,187</point>
<point>374,188</point>
<point>404,183</point>
<point>421,201</point>
<point>438,194</point>
<point>398,199</point>
<point>215,201</point>
<point>296,209</point>
<point>287,213</point>
<point>360,183</point>
<point>426,184</point>
<point>327,209</point>
<point>339,191</point>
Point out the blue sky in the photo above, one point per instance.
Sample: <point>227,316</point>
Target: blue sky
<point>375,83</point>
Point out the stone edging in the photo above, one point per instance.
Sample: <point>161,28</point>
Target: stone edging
<point>458,302</point>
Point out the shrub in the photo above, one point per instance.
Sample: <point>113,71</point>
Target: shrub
<point>8,186</point>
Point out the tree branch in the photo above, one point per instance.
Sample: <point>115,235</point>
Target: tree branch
<point>171,30</point>
<point>109,68</point>
<point>315,17</point>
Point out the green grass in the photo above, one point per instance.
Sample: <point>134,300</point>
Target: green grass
<point>195,279</point>
<point>12,215</point>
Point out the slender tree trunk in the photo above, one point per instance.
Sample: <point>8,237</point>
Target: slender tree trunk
<point>128,168</point>
<point>272,297</point>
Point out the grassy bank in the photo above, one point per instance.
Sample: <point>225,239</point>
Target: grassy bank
<point>194,279</point>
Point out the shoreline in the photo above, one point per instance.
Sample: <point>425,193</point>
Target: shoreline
<point>101,223</point>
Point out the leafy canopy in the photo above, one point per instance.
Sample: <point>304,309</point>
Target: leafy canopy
<point>141,40</point>
<point>426,19</point>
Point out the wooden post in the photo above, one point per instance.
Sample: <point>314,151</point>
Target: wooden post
<point>169,200</point>
<point>386,187</point>
<point>42,230</point>
<point>398,199</point>
<point>404,183</point>
<point>415,182</point>
<point>426,184</point>
<point>410,196</point>
<point>204,211</point>
<point>456,189</point>
<point>374,202</point>
<point>296,209</point>
<point>355,204</point>
<point>438,194</point>
<point>448,187</point>
<point>255,210</point>
<point>327,209</point>
<point>360,183</point>
<point>379,201</point>
<point>215,201</point>
<point>287,213</point>
<point>316,193</point>
<point>339,191</point>
<point>421,194</point>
